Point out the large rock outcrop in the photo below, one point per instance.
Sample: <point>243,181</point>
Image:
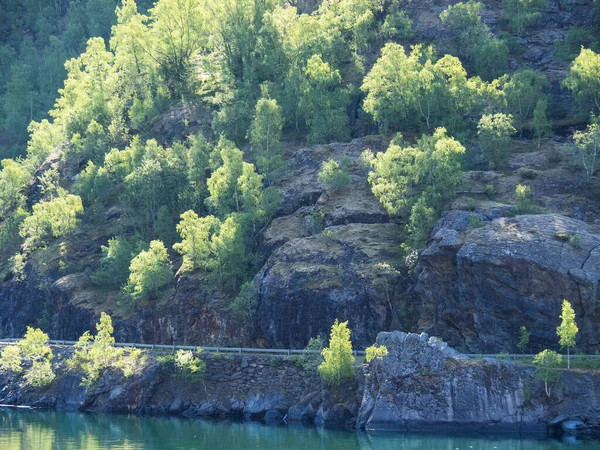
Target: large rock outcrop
<point>310,282</point>
<point>484,279</point>
<point>423,385</point>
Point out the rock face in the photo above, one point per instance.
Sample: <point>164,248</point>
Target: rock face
<point>310,282</point>
<point>254,387</point>
<point>423,384</point>
<point>483,284</point>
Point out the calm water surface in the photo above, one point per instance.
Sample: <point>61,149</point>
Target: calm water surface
<point>49,430</point>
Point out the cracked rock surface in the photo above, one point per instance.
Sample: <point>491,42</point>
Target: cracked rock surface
<point>484,283</point>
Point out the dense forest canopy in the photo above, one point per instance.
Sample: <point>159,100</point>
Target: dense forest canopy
<point>267,71</point>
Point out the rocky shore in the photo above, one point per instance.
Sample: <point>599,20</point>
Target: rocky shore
<point>422,385</point>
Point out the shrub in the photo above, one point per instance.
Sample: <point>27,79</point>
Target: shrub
<point>494,132</point>
<point>34,347</point>
<point>40,374</point>
<point>149,271</point>
<point>338,359</point>
<point>375,352</point>
<point>523,339</point>
<point>524,203</point>
<point>333,175</point>
<point>114,264</point>
<point>132,361</point>
<point>93,354</point>
<point>523,13</point>
<point>11,359</point>
<point>583,80</point>
<point>245,304</point>
<point>414,182</point>
<point>315,358</point>
<point>185,364</point>
<point>575,240</point>
<point>57,217</point>
<point>474,40</point>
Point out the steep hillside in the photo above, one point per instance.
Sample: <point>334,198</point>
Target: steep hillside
<point>190,201</point>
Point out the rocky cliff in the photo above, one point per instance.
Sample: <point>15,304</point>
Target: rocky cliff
<point>424,385</point>
<point>484,283</point>
<point>482,276</point>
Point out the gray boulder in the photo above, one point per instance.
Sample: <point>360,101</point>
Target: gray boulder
<point>423,383</point>
<point>482,284</point>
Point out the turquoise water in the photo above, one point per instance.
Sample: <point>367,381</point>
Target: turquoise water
<point>49,430</point>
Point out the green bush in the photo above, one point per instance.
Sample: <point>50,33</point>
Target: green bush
<point>414,182</point>
<point>94,354</point>
<point>334,175</point>
<point>315,358</point>
<point>114,263</point>
<point>338,364</point>
<point>11,359</point>
<point>524,203</point>
<point>185,364</point>
<point>57,217</point>
<point>244,306</point>
<point>34,347</point>
<point>149,271</point>
<point>375,352</point>
<point>523,13</point>
<point>583,80</point>
<point>494,133</point>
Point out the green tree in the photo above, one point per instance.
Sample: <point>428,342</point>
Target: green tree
<point>338,359</point>
<point>13,178</point>
<point>523,13</point>
<point>523,91</point>
<point>474,41</point>
<point>149,271</point>
<point>588,144</point>
<point>114,263</point>
<point>417,91</point>
<point>265,135</point>
<point>523,339</point>
<point>93,354</point>
<point>464,20</point>
<point>323,102</point>
<point>229,248</point>
<point>34,347</point>
<point>180,29</point>
<point>414,182</point>
<point>57,217</point>
<point>334,175</point>
<point>567,331</point>
<point>583,80</point>
<point>222,185</point>
<point>542,126</point>
<point>236,187</point>
<point>196,234</point>
<point>547,364</point>
<point>494,133</point>
<point>11,359</point>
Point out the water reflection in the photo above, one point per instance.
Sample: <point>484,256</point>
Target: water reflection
<point>49,430</point>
